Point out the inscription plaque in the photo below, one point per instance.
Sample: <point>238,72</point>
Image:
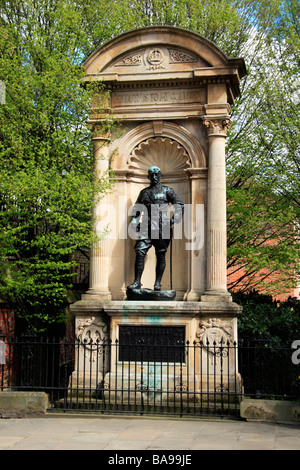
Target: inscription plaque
<point>152,343</point>
<point>154,97</point>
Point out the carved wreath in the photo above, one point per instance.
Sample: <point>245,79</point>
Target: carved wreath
<point>215,333</point>
<point>90,333</point>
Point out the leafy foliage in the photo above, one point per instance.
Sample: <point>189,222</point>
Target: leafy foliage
<point>47,190</point>
<point>275,323</point>
<point>263,147</point>
<point>263,249</point>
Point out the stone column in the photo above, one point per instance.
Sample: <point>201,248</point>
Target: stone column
<point>196,247</point>
<point>99,257</point>
<point>216,288</point>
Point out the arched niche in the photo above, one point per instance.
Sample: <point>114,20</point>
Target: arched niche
<point>182,160</point>
<point>152,130</point>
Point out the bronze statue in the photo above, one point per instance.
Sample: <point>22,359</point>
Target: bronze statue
<point>156,230</point>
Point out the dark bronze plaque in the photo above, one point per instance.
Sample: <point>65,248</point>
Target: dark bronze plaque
<point>152,343</point>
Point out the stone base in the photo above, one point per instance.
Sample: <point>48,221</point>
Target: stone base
<point>84,384</point>
<point>165,388</point>
<point>197,373</point>
<point>212,295</point>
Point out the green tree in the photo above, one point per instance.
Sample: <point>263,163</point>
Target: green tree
<point>47,189</point>
<point>263,249</point>
<point>263,147</point>
<point>266,320</point>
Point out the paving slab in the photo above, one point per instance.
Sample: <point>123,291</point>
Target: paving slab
<point>115,433</point>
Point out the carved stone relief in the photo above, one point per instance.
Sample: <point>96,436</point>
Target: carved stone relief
<point>177,56</point>
<point>131,60</point>
<point>157,58</point>
<point>91,332</point>
<point>216,337</point>
<point>215,331</point>
<point>217,126</point>
<point>165,153</point>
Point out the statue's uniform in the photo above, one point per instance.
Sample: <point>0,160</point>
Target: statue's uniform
<point>154,226</point>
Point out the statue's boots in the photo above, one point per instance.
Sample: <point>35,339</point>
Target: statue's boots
<point>138,271</point>
<point>160,268</point>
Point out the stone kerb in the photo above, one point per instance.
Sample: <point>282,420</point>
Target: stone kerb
<point>20,404</point>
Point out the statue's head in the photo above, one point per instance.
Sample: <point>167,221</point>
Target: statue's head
<point>154,174</point>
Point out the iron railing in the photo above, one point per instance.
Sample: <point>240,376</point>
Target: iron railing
<point>180,379</point>
<point>268,370</point>
<point>80,274</point>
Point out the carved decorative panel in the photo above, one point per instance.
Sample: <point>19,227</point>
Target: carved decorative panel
<point>165,153</point>
<point>160,58</point>
<point>215,331</point>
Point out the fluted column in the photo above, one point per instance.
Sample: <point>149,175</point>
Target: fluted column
<point>216,280</point>
<point>99,257</point>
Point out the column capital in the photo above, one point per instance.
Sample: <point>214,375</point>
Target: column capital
<point>99,132</point>
<point>217,126</point>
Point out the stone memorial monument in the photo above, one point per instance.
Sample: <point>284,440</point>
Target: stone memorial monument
<point>172,90</point>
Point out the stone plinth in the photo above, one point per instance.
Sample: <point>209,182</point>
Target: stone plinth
<point>203,364</point>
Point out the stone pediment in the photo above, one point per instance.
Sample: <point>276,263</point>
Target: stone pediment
<point>164,53</point>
